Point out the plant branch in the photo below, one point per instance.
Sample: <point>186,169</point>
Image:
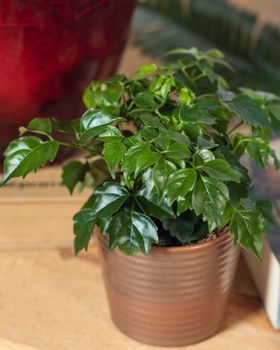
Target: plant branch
<point>235,127</point>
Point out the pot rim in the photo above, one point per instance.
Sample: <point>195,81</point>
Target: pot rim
<point>197,246</point>
<point>193,247</point>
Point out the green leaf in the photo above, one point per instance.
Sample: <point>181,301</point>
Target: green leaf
<point>220,169</point>
<point>206,142</point>
<point>148,203</point>
<point>113,154</point>
<point>132,232</point>
<point>275,110</point>
<point>202,156</point>
<point>94,122</point>
<point>259,96</point>
<point>145,100</point>
<point>209,199</point>
<point>73,173</point>
<point>147,69</point>
<point>145,159</point>
<point>148,134</point>
<point>196,115</point>
<point>184,228</point>
<point>71,128</point>
<point>108,199</point>
<point>247,227</point>
<point>130,159</point>
<point>177,151</point>
<point>265,207</point>
<point>27,154</point>
<point>160,174</point>
<point>246,109</point>
<point>43,125</point>
<point>84,222</point>
<point>98,173</point>
<point>111,134</point>
<point>193,130</point>
<point>259,151</point>
<point>180,183</point>
<point>184,203</point>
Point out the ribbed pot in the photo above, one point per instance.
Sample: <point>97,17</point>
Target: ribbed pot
<point>175,296</point>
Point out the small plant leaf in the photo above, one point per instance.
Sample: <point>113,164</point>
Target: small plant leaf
<point>247,227</point>
<point>27,154</point>
<point>113,154</point>
<point>180,183</point>
<point>94,122</point>
<point>220,169</point>
<point>246,109</point>
<point>265,207</point>
<point>108,199</point>
<point>160,174</point>
<point>84,222</point>
<point>147,69</point>
<point>150,206</point>
<point>132,232</point>
<point>146,158</point>
<point>43,125</point>
<point>72,173</point>
<point>209,199</point>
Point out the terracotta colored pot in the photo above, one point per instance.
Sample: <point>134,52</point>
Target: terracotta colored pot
<point>175,296</point>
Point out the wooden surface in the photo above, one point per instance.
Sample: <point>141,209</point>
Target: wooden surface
<point>51,300</point>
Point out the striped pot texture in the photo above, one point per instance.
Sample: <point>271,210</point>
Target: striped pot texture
<point>175,296</point>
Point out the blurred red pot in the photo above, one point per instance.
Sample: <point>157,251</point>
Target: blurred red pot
<point>50,50</point>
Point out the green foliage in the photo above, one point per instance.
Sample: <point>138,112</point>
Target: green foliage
<point>132,232</point>
<point>162,154</point>
<point>73,173</point>
<point>27,154</point>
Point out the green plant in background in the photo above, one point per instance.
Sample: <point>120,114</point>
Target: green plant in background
<point>162,155</point>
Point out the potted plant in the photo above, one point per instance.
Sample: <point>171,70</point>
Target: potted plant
<point>171,199</point>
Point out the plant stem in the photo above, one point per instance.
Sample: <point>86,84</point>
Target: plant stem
<point>235,127</point>
<point>83,148</point>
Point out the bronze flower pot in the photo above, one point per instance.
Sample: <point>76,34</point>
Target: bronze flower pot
<point>175,296</point>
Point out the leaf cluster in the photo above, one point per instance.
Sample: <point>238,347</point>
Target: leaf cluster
<point>163,155</point>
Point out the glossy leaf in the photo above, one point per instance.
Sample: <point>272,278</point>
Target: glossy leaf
<point>160,174</point>
<point>202,156</point>
<point>209,199</point>
<point>247,227</point>
<point>265,207</point>
<point>130,160</point>
<point>180,183</point>
<point>72,173</point>
<point>94,122</point>
<point>84,222</point>
<point>246,109</point>
<point>145,159</point>
<point>177,151</point>
<point>108,199</point>
<point>184,203</point>
<point>43,125</point>
<point>111,134</point>
<point>145,100</point>
<point>113,154</point>
<point>150,206</point>
<point>132,232</point>
<point>221,170</point>
<point>27,154</point>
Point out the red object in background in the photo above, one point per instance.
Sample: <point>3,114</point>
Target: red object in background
<point>50,50</point>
